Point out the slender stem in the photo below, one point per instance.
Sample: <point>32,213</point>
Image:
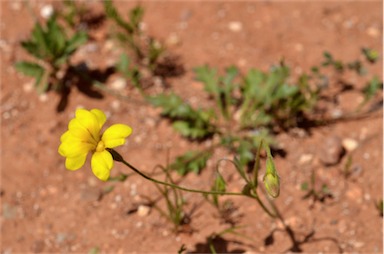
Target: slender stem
<point>273,215</point>
<point>118,157</point>
<point>174,185</point>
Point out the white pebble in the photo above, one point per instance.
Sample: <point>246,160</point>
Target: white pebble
<point>305,158</point>
<point>46,11</point>
<point>350,144</point>
<point>119,84</point>
<point>235,26</point>
<point>143,210</point>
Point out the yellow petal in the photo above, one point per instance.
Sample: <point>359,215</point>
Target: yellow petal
<point>64,136</point>
<point>78,130</point>
<point>73,163</point>
<point>73,148</point>
<point>101,118</point>
<point>89,121</point>
<point>102,164</point>
<point>115,135</point>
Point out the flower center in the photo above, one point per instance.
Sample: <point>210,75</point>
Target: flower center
<point>100,146</point>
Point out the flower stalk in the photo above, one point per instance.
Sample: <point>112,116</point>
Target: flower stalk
<point>252,194</point>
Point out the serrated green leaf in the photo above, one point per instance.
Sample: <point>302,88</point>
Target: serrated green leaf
<point>29,68</point>
<point>34,70</point>
<point>55,38</point>
<point>76,41</point>
<point>40,41</point>
<point>182,127</point>
<point>209,77</point>
<point>189,122</point>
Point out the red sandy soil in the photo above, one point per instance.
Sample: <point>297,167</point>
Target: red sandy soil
<point>46,208</point>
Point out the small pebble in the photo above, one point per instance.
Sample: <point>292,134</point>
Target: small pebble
<point>143,210</point>
<point>373,32</point>
<point>235,26</point>
<point>299,47</point>
<point>172,40</point>
<point>46,11</point>
<point>350,144</point>
<point>119,84</point>
<point>331,151</point>
<point>305,158</point>
<point>43,97</point>
<point>115,104</point>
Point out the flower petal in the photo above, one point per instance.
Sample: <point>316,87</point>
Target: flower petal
<point>89,121</point>
<point>73,148</point>
<point>101,117</point>
<point>73,163</point>
<point>78,130</point>
<point>115,135</point>
<point>102,163</point>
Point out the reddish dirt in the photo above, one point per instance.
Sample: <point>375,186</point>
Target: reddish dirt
<point>46,208</point>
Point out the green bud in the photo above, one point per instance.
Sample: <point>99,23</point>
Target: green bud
<point>272,184</point>
<point>271,178</point>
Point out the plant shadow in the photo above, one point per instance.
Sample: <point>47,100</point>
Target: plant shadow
<point>216,244</point>
<point>81,77</point>
<point>296,243</point>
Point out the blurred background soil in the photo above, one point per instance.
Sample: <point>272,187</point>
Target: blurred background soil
<point>46,208</point>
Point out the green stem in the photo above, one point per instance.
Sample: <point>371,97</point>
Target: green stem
<point>273,215</point>
<point>117,157</point>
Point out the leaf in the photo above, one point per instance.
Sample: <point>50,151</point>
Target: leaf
<point>76,41</point>
<point>55,38</point>
<point>373,86</point>
<point>189,122</point>
<point>31,69</point>
<point>123,64</point>
<point>245,152</point>
<point>191,161</point>
<point>209,77</point>
<point>304,186</point>
<point>247,189</point>
<point>370,54</point>
<point>112,13</point>
<point>40,42</point>
<point>135,17</point>
<point>219,184</point>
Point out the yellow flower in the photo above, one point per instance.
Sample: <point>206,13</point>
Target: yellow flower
<point>84,136</point>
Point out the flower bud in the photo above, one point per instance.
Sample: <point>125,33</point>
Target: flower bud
<point>271,178</point>
<point>272,184</point>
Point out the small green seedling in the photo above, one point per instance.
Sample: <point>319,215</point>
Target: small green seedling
<point>317,195</point>
<point>52,49</point>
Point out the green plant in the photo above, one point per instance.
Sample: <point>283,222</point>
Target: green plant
<point>52,49</point>
<point>373,84</point>
<point>189,122</point>
<point>147,50</point>
<point>249,107</point>
<point>317,194</point>
<point>174,200</point>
